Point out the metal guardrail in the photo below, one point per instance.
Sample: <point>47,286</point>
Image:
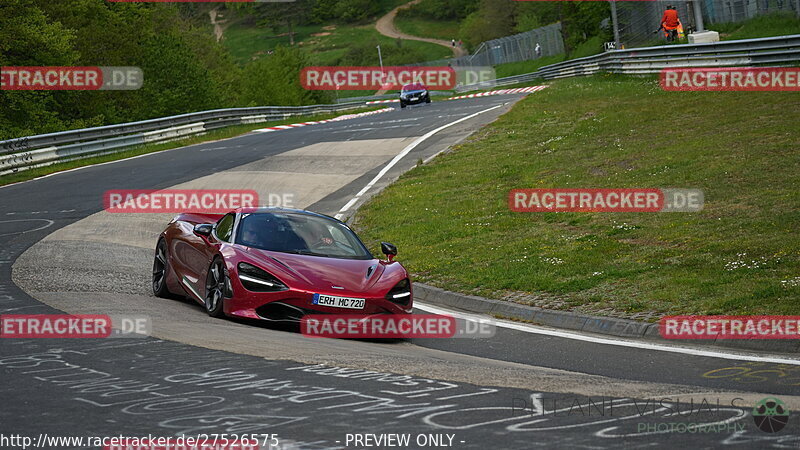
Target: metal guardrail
<point>33,151</point>
<point>44,149</point>
<point>780,50</point>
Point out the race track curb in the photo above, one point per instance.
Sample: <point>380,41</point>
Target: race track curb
<point>609,326</point>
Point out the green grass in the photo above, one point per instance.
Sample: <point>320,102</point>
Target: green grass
<point>248,42</point>
<point>324,44</point>
<point>521,67</point>
<point>591,47</point>
<point>453,227</point>
<point>775,24</point>
<point>214,135</point>
<point>327,49</point>
<point>428,28</point>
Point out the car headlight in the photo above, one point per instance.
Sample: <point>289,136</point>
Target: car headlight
<point>259,280</point>
<point>400,293</point>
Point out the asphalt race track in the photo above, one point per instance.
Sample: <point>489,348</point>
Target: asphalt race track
<point>199,376</point>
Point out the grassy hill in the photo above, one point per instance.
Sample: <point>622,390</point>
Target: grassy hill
<point>327,44</point>
<point>429,28</point>
<point>740,255</point>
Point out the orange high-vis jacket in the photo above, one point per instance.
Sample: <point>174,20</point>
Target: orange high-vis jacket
<point>670,19</point>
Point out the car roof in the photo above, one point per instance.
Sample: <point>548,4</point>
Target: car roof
<point>414,86</point>
<point>279,209</point>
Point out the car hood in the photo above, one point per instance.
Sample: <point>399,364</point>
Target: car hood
<point>321,273</point>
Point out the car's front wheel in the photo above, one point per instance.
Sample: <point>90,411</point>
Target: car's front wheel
<point>161,270</point>
<point>402,104</point>
<point>215,288</point>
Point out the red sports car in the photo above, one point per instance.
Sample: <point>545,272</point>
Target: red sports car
<point>276,264</point>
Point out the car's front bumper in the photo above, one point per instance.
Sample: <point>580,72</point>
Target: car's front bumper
<point>292,304</point>
<point>414,100</point>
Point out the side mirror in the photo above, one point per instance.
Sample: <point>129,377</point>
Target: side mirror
<point>389,250</point>
<point>203,229</point>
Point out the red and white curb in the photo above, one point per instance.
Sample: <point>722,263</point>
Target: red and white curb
<point>524,90</point>
<point>397,100</point>
<point>335,119</point>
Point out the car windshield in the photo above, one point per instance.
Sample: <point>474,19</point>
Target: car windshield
<point>299,233</point>
<point>413,87</point>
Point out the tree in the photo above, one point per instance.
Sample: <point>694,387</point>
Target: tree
<point>275,80</point>
<point>494,19</point>
<point>29,38</point>
<point>288,15</point>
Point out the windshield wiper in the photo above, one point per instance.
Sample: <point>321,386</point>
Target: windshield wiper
<point>306,252</point>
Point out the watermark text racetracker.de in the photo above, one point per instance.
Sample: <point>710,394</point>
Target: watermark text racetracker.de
<point>62,78</point>
<point>731,79</point>
<point>210,201</point>
<point>730,327</point>
<point>395,326</point>
<point>606,200</point>
<point>392,77</point>
<point>223,441</point>
<point>64,326</point>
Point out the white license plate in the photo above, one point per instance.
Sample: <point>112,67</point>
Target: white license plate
<point>339,302</point>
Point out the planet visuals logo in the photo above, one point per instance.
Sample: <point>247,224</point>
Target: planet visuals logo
<point>770,415</point>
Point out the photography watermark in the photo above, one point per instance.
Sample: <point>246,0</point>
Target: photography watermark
<point>770,415</point>
<point>64,78</point>
<point>536,405</point>
<point>394,326</point>
<point>606,200</point>
<point>656,415</point>
<point>688,427</point>
<point>730,327</point>
<point>212,201</point>
<point>63,326</point>
<point>731,79</point>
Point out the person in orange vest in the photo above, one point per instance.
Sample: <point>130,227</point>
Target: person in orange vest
<point>670,23</point>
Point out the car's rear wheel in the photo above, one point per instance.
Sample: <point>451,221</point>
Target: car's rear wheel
<point>161,270</point>
<point>215,288</point>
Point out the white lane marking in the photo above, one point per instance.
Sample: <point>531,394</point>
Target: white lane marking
<point>353,130</point>
<point>48,224</point>
<point>609,341</point>
<point>430,158</point>
<point>39,212</point>
<point>400,156</point>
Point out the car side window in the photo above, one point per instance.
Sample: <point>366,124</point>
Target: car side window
<point>225,228</point>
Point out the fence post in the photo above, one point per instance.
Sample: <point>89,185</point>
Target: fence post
<point>614,22</point>
<point>698,16</point>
